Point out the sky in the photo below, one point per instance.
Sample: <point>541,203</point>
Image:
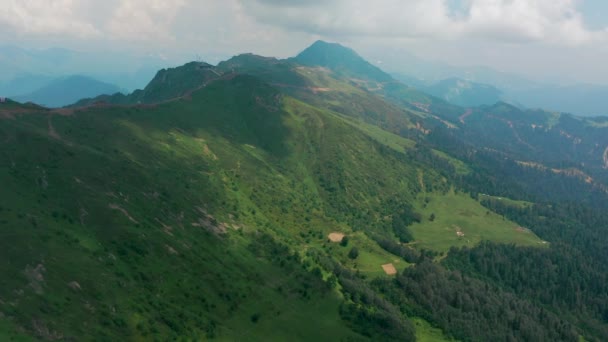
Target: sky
<point>563,40</point>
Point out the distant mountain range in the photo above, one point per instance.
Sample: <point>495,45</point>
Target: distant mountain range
<point>582,99</point>
<point>457,90</point>
<point>24,71</point>
<point>563,96</point>
<point>27,67</point>
<point>64,91</point>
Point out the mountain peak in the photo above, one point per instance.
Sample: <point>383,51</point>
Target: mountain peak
<point>247,61</point>
<point>342,60</point>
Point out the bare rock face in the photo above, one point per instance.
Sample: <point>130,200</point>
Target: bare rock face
<point>74,286</point>
<point>35,277</point>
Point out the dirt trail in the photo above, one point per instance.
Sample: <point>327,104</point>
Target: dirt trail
<point>514,130</point>
<point>465,115</point>
<point>126,213</point>
<point>421,180</point>
<point>312,89</point>
<point>52,132</point>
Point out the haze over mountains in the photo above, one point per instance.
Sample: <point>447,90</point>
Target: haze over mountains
<point>65,91</point>
<point>482,85</point>
<point>308,198</point>
<point>25,71</point>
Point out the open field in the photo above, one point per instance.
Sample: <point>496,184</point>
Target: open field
<point>461,168</point>
<point>462,221</point>
<point>427,333</point>
<point>508,201</point>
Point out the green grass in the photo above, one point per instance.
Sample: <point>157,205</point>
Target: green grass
<point>427,333</point>
<point>371,256</point>
<point>461,168</point>
<point>394,141</point>
<point>291,320</point>
<point>458,212</point>
<point>8,333</point>
<point>507,201</point>
<point>118,203</point>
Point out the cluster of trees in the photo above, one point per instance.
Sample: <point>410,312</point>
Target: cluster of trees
<point>365,310</point>
<point>408,254</point>
<point>470,309</point>
<point>569,278</point>
<point>402,219</point>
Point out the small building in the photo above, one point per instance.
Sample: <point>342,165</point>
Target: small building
<point>2,99</point>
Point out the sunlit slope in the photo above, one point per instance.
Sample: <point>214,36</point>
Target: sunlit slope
<point>203,216</point>
<point>457,220</point>
<point>179,219</point>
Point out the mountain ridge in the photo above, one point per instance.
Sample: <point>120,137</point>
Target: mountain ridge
<point>204,206</point>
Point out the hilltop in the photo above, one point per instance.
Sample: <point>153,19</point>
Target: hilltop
<point>342,60</point>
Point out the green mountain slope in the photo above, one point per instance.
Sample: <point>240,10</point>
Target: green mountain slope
<point>347,64</point>
<point>266,200</point>
<point>160,220</point>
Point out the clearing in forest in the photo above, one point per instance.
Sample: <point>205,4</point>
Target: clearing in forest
<point>389,269</point>
<point>458,220</point>
<point>335,237</point>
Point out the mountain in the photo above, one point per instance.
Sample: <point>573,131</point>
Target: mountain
<point>560,95</point>
<point>64,91</point>
<point>127,71</point>
<point>586,100</point>
<point>460,92</point>
<point>346,63</point>
<point>340,59</point>
<point>265,199</point>
<point>24,84</point>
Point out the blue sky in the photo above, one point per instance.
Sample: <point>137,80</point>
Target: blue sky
<point>541,39</point>
<point>595,13</point>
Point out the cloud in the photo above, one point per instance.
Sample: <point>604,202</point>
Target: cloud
<point>144,19</point>
<point>354,17</point>
<point>554,21</point>
<point>551,21</point>
<point>48,17</point>
<point>84,19</point>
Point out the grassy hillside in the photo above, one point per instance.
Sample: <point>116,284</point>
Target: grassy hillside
<point>208,211</point>
<point>162,220</point>
<point>457,220</point>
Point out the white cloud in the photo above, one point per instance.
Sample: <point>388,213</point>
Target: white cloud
<point>144,19</point>
<point>554,21</point>
<point>522,35</point>
<point>551,21</point>
<point>48,17</point>
<point>356,17</point>
<point>84,19</point>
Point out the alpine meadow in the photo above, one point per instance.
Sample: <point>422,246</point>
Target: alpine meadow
<point>311,198</point>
